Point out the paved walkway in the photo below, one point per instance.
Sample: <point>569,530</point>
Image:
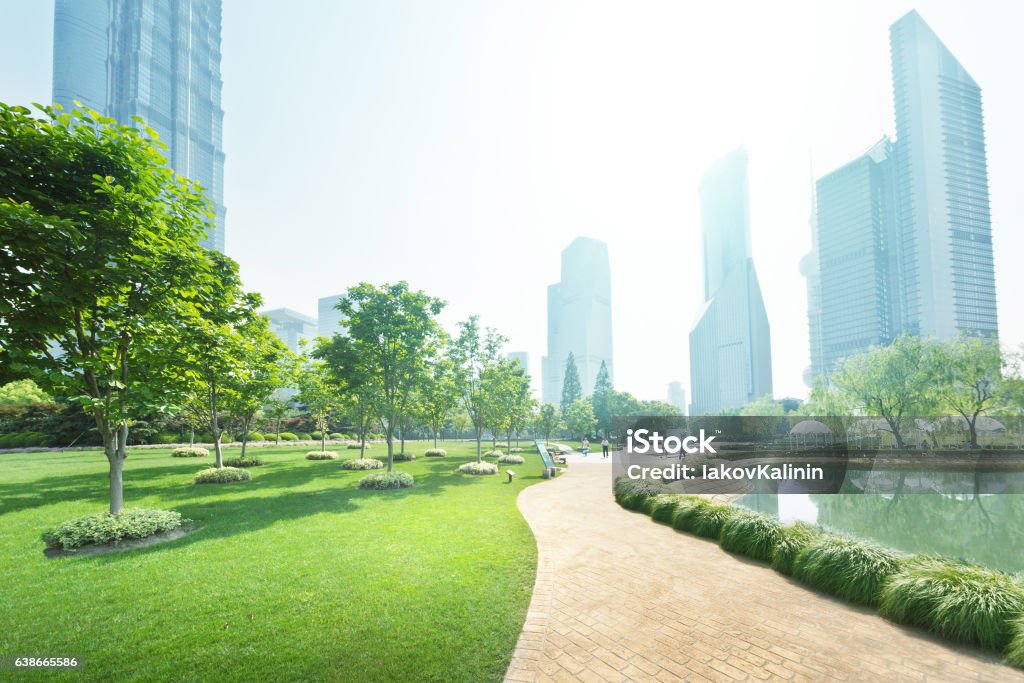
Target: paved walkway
<point>619,597</point>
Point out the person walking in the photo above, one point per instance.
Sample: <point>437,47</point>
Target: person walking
<point>586,447</point>
<point>604,447</point>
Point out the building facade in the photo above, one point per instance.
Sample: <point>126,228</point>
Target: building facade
<point>730,343</point>
<point>677,396</point>
<point>579,318</point>
<point>328,317</point>
<point>158,60</point>
<point>291,326</point>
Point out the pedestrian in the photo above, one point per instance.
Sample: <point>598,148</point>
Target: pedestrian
<point>586,447</point>
<point>604,447</point>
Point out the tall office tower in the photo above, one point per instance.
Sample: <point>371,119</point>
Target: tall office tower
<point>291,326</point>
<point>328,317</point>
<point>857,254</point>
<point>730,344</point>
<point>677,396</point>
<point>579,318</point>
<point>155,59</point>
<point>521,357</point>
<point>947,273</point>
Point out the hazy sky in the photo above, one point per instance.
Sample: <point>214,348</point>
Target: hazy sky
<point>463,145</point>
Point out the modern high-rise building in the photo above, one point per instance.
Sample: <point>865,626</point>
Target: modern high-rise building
<point>730,344</point>
<point>948,276</point>
<point>579,318</point>
<point>155,59</point>
<point>291,326</point>
<point>677,396</point>
<point>521,357</point>
<point>902,237</point>
<point>328,317</point>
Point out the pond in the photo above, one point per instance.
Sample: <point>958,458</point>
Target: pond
<point>984,528</point>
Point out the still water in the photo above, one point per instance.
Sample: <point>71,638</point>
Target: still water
<point>983,528</point>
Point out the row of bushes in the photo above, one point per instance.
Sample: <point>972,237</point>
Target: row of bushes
<point>25,440</point>
<point>960,601</point>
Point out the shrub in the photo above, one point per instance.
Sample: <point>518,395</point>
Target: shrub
<point>496,453</point>
<point>709,519</point>
<point>164,438</point>
<point>662,506</point>
<point>321,455</point>
<point>287,436</point>
<point>436,453</point>
<point>304,436</point>
<point>221,475</point>
<point>247,461</point>
<point>792,540</point>
<point>511,459</point>
<point>849,568</point>
<point>751,534</point>
<point>403,457</point>
<point>256,436</point>
<point>316,436</point>
<point>631,493</point>
<point>335,436</point>
<point>387,480</point>
<point>515,450</point>
<point>685,513</point>
<point>190,452</point>
<point>1015,653</point>
<point>132,523</point>
<point>362,464</point>
<point>478,468</point>
<point>959,601</point>
<point>355,446</point>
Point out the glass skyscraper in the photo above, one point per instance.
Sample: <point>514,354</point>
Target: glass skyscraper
<point>902,235</point>
<point>579,318</point>
<point>155,59</point>
<point>730,344</point>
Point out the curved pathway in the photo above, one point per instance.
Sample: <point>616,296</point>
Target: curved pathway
<point>619,597</point>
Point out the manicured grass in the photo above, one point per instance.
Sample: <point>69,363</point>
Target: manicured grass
<point>295,575</point>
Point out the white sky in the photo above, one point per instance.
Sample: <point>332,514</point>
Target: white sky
<point>463,145</point>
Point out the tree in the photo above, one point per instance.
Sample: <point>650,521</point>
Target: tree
<point>572,390</point>
<point>277,409</point>
<point>317,393</point>
<point>394,334</point>
<point>601,400</point>
<point>766,406</point>
<point>891,382</point>
<point>439,395</point>
<point>966,378</point>
<point>472,353</point>
<point>509,401</point>
<point>548,421</point>
<point>263,369</point>
<point>23,392</point>
<point>579,418</point>
<point>100,261</point>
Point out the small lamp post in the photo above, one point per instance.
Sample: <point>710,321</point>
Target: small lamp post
<point>510,474</point>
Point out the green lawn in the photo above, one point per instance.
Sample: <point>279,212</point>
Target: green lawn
<point>296,575</point>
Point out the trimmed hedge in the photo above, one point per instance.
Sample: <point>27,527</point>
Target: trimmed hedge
<point>336,436</point>
<point>362,464</point>
<point>256,436</point>
<point>403,457</point>
<point>959,601</point>
<point>849,568</point>
<point>321,455</point>
<point>387,480</point>
<point>478,468</point>
<point>247,461</point>
<point>316,436</point>
<point>164,438</point>
<point>792,540</point>
<point>511,459</point>
<point>190,452</point>
<point>131,524</point>
<point>356,446</point>
<point>221,475</point>
<point>304,436</point>
<point>436,453</point>
<point>751,534</point>
<point>287,436</point>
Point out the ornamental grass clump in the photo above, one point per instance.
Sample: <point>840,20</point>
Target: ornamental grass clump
<point>959,601</point>
<point>403,457</point>
<point>387,480</point>
<point>848,568</point>
<point>662,506</point>
<point>1015,653</point>
<point>356,447</point>
<point>685,512</point>
<point>511,459</point>
<point>190,452</point>
<point>362,464</point>
<point>321,455</point>
<point>436,453</point>
<point>496,453</point>
<point>98,529</point>
<point>709,519</point>
<point>478,468</point>
<point>221,475</point>
<point>633,493</point>
<point>791,541</point>
<point>751,534</point>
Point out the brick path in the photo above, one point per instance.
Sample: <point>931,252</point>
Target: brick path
<point>619,597</point>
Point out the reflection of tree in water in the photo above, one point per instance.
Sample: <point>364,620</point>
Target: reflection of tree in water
<point>987,530</point>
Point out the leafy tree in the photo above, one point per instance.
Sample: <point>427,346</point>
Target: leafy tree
<point>278,409</point>
<point>354,380</point>
<point>766,406</point>
<point>601,400</point>
<point>439,395</point>
<point>572,390</point>
<point>579,418</point>
<point>101,271</point>
<point>317,393</point>
<point>548,420</point>
<point>510,402</point>
<point>460,422</point>
<point>966,378</point>
<point>472,353</point>
<point>263,368</point>
<point>23,393</point>
<point>394,333</point>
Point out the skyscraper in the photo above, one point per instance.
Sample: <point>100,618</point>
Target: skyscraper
<point>947,278</point>
<point>730,344</point>
<point>902,235</point>
<point>579,318</point>
<point>328,317</point>
<point>677,396</point>
<point>155,59</point>
<point>291,326</point>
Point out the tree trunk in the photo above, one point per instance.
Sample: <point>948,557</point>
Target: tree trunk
<point>277,434</point>
<point>245,436</point>
<point>435,437</point>
<point>479,438</point>
<point>323,441</point>
<point>390,439</point>
<point>191,437</point>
